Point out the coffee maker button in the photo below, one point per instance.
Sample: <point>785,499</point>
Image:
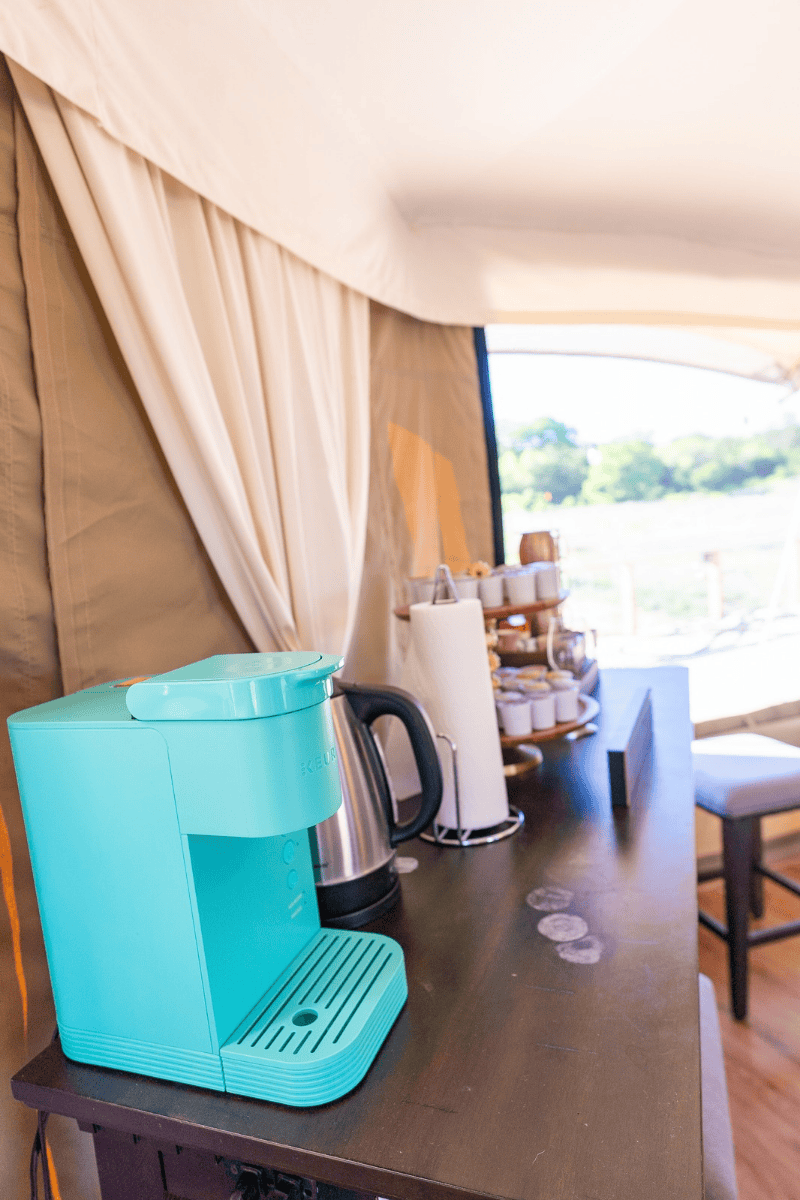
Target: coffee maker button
<point>291,879</point>
<point>288,852</point>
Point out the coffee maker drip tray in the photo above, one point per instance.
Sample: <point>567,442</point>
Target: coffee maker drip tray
<point>312,1037</point>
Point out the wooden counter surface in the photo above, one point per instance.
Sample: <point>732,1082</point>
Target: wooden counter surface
<point>510,1072</point>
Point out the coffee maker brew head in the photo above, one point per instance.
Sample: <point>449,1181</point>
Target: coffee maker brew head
<point>250,739</point>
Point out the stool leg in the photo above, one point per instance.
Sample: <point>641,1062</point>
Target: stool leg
<point>756,880</point>
<point>737,840</point>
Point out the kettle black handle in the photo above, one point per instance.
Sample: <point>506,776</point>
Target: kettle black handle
<point>370,703</point>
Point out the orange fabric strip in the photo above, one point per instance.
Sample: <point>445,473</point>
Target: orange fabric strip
<point>451,522</point>
<point>7,877</point>
<point>53,1174</point>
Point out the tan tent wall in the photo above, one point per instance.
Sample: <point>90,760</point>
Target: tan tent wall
<point>29,669</point>
<point>429,491</point>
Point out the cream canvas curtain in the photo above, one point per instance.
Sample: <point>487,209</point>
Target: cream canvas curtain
<point>253,368</point>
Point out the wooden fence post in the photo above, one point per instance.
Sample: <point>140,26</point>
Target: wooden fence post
<point>716,599</point>
<point>628,598</point>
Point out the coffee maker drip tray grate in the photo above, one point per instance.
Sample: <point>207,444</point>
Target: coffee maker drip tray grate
<point>312,1036</point>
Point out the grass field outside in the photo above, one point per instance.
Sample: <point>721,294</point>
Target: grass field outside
<point>637,573</point>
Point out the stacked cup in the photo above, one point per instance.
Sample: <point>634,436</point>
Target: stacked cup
<point>534,699</point>
<point>514,713</point>
<point>520,586</point>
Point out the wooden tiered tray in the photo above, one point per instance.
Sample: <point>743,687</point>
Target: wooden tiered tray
<point>505,610</point>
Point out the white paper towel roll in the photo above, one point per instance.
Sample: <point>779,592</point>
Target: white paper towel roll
<point>448,671</point>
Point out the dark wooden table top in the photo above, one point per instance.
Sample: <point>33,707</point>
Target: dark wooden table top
<point>510,1072</point>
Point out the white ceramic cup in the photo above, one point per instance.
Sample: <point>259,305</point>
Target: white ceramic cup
<point>466,586</point>
<point>567,704</point>
<point>543,710</point>
<point>520,587</point>
<point>532,686</point>
<point>422,586</point>
<point>490,591</point>
<point>559,678</point>
<point>516,717</point>
<point>547,584</point>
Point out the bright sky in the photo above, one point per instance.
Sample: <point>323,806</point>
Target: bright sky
<point>605,398</point>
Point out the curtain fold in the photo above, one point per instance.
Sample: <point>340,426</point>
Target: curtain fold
<point>252,367</point>
<point>133,590</point>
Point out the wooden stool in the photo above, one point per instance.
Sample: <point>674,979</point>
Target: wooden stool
<point>741,778</point>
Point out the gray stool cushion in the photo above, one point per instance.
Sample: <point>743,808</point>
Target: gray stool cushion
<point>745,775</point>
<point>719,1168</point>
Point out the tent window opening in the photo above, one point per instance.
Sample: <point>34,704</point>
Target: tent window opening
<point>674,491</point>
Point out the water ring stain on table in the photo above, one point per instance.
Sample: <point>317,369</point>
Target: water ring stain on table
<point>563,927</point>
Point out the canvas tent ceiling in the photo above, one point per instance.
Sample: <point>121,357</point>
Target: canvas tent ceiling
<point>765,355</point>
<point>544,161</point>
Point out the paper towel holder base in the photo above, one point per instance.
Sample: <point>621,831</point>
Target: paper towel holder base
<point>444,835</point>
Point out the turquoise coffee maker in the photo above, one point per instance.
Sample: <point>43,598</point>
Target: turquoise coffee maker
<point>167,820</point>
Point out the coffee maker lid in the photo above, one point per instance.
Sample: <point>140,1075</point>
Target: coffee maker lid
<point>235,687</point>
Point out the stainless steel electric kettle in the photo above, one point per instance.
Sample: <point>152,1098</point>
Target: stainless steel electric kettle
<point>353,851</point>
